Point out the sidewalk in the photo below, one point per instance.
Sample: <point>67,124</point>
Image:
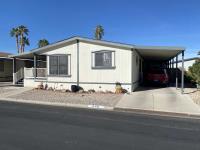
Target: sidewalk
<point>14,91</point>
<point>163,100</point>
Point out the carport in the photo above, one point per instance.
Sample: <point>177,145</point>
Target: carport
<point>165,57</point>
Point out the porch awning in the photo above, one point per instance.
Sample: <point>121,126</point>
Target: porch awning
<point>25,55</point>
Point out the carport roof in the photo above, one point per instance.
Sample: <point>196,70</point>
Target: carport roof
<point>147,52</point>
<point>158,53</point>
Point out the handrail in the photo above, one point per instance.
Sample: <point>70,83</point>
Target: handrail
<point>32,73</point>
<point>18,75</point>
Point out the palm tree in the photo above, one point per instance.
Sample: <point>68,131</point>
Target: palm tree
<point>43,42</point>
<point>15,33</point>
<point>23,31</point>
<point>24,41</point>
<point>99,32</point>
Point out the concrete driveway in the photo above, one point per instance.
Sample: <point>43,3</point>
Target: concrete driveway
<point>8,89</point>
<point>159,99</point>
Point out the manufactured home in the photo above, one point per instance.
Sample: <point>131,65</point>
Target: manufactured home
<point>92,64</point>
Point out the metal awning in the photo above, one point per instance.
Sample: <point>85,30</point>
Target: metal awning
<point>25,55</point>
<point>158,53</point>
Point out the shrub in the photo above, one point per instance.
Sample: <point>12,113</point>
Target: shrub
<point>194,71</point>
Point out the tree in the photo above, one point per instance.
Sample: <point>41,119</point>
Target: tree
<point>99,32</point>
<point>21,40</point>
<point>194,71</point>
<point>43,42</point>
<point>23,31</point>
<point>15,33</point>
<point>25,42</point>
<point>199,53</point>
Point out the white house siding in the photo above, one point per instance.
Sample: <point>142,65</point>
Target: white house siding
<point>104,79</point>
<point>89,78</point>
<point>58,82</point>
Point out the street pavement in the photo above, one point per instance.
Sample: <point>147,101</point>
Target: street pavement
<point>37,127</point>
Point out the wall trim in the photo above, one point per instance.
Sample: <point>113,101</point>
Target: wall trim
<point>132,69</point>
<point>109,83</point>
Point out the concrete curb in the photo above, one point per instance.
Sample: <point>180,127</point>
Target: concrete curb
<point>158,113</point>
<point>96,107</point>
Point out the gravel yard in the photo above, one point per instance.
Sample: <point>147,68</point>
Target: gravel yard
<point>68,97</point>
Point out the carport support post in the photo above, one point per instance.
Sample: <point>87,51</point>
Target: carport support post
<point>182,75</point>
<point>176,71</point>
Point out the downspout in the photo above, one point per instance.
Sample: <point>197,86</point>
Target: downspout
<point>14,70</point>
<point>77,62</point>
<point>132,70</point>
<point>182,74</point>
<point>176,71</point>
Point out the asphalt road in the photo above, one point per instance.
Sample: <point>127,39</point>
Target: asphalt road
<point>36,127</point>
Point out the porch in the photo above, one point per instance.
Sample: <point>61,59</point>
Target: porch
<point>34,68</point>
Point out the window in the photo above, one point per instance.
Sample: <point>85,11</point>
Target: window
<point>1,66</point>
<point>103,59</point>
<point>59,65</point>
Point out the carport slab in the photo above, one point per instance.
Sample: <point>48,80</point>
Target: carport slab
<point>161,100</point>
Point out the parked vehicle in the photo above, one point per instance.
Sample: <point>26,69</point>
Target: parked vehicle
<point>158,76</point>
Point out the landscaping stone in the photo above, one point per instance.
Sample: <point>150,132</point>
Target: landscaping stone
<point>102,99</point>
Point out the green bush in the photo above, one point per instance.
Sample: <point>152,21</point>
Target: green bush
<point>194,71</point>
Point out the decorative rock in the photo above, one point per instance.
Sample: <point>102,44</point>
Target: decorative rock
<point>81,91</point>
<point>50,89</point>
<point>91,91</point>
<point>63,90</point>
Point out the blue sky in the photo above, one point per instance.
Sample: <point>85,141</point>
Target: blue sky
<point>140,22</point>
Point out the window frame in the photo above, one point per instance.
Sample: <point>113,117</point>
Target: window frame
<point>113,56</point>
<point>69,66</point>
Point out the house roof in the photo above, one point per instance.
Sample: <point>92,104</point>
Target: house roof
<point>147,52</point>
<point>4,54</point>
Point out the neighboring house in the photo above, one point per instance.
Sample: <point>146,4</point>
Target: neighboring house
<point>188,62</point>
<point>6,69</point>
<point>6,66</point>
<point>91,64</point>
